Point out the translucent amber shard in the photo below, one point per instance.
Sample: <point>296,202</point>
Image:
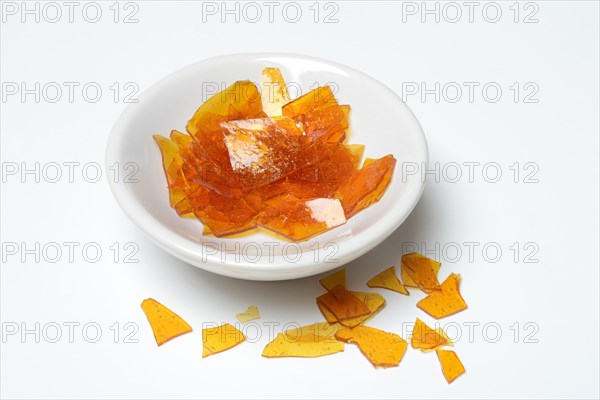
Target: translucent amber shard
<point>250,314</point>
<point>274,91</point>
<point>446,301</point>
<point>314,340</point>
<point>421,271</point>
<point>319,114</point>
<point>172,164</point>
<point>241,100</point>
<point>374,302</point>
<point>426,339</point>
<point>343,304</point>
<point>387,280</point>
<point>266,149</point>
<point>452,368</point>
<point>299,220</point>
<point>382,349</point>
<point>366,186</point>
<point>220,338</point>
<point>165,324</point>
<point>356,151</point>
<point>337,278</point>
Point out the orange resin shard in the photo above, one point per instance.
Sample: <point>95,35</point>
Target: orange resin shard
<point>331,281</point>
<point>274,92</point>
<point>422,272</point>
<point>172,164</point>
<point>220,338</point>
<point>314,340</point>
<point>367,185</point>
<point>387,280</point>
<point>319,114</point>
<point>266,149</point>
<point>250,314</point>
<point>343,304</point>
<point>444,302</point>
<point>240,100</point>
<point>373,301</point>
<point>382,349</point>
<point>452,368</point>
<point>426,339</point>
<point>165,324</point>
<point>299,220</point>
<point>357,151</point>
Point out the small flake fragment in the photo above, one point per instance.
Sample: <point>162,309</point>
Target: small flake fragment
<point>387,279</point>
<point>446,301</point>
<point>220,338</point>
<point>314,340</point>
<point>426,339</point>
<point>452,367</point>
<point>382,349</point>
<point>250,314</point>
<point>165,324</point>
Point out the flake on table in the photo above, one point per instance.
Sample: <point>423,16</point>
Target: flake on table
<point>452,368</point>
<point>165,324</point>
<point>309,341</point>
<point>446,301</point>
<point>426,339</point>
<point>250,314</point>
<point>382,349</point>
<point>422,272</point>
<point>220,338</point>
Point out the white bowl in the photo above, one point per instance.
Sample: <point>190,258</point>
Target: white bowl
<point>379,119</point>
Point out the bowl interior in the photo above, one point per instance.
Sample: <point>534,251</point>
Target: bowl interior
<point>379,119</point>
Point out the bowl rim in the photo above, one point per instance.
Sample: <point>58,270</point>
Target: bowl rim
<point>191,252</point>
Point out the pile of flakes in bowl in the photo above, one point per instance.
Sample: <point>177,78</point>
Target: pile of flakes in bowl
<point>253,158</point>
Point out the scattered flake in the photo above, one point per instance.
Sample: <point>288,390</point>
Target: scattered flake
<point>446,301</point>
<point>337,278</point>
<point>374,302</point>
<point>250,314</point>
<point>308,341</point>
<point>382,349</point>
<point>343,303</point>
<point>165,324</point>
<point>452,368</point>
<point>387,279</point>
<point>426,339</point>
<point>220,338</point>
<point>421,270</point>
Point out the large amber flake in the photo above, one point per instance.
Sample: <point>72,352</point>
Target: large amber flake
<point>266,149</point>
<point>172,164</point>
<point>446,301</point>
<point>314,340</point>
<point>387,279</point>
<point>301,219</point>
<point>343,304</point>
<point>274,91</point>
<point>421,271</point>
<point>165,324</point>
<point>367,185</point>
<point>426,339</point>
<point>319,114</point>
<point>220,338</point>
<point>241,100</point>
<point>452,368</point>
<point>373,301</point>
<point>382,349</point>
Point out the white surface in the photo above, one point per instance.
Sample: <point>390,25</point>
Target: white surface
<point>263,256</point>
<point>559,294</point>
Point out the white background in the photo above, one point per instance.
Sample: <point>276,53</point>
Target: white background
<point>558,215</point>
